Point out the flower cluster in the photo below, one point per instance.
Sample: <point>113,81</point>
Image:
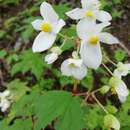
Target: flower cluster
<point>90,26</point>
<point>91,21</point>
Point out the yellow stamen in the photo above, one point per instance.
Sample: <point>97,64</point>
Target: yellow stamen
<point>46,27</point>
<point>89,13</point>
<point>94,40</point>
<point>113,90</point>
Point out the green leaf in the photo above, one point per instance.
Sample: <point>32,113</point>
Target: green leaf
<point>73,117</point>
<point>26,105</point>
<point>2,34</point>
<point>124,114</point>
<point>59,104</point>
<point>120,55</point>
<point>6,2</point>
<point>29,61</point>
<point>93,117</point>
<point>21,124</point>
<point>3,53</point>
<point>17,88</point>
<point>27,33</point>
<point>69,32</point>
<point>88,81</point>
<point>61,9</point>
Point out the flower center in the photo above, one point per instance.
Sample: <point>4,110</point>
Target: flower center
<point>89,13</point>
<point>72,65</point>
<point>94,40</point>
<point>46,27</point>
<point>113,90</point>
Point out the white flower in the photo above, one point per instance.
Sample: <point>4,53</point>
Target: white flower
<point>4,102</point>
<point>49,27</point>
<point>91,36</point>
<point>90,10</point>
<point>122,70</point>
<point>119,87</point>
<point>53,56</point>
<point>74,67</point>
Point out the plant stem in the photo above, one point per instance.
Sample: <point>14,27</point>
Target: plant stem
<point>98,102</point>
<point>63,43</point>
<point>78,45</point>
<point>107,69</point>
<point>111,61</point>
<point>65,37</point>
<point>75,86</point>
<point>124,47</point>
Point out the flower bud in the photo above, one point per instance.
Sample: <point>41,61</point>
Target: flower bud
<point>111,122</point>
<point>104,89</point>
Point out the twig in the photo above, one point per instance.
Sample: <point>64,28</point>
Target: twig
<point>124,47</point>
<point>98,102</point>
<point>107,69</point>
<point>75,86</point>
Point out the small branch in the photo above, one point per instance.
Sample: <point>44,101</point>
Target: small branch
<point>107,69</point>
<point>75,86</point>
<point>80,94</point>
<point>125,48</point>
<point>110,61</point>
<point>63,43</point>
<point>98,102</point>
<point>65,37</point>
<point>78,42</point>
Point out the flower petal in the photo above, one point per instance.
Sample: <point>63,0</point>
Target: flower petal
<point>91,55</point>
<point>122,98</point>
<point>6,93</point>
<point>103,16</point>
<point>4,105</point>
<point>90,4</point>
<point>108,38</point>
<point>65,68</point>
<point>127,66</point>
<point>79,72</point>
<point>51,58</point>
<point>122,90</point>
<point>101,26</point>
<point>48,13</point>
<point>76,62</point>
<point>37,24</point>
<point>85,27</point>
<point>118,73</point>
<point>43,42</point>
<point>59,26</point>
<point>76,14</point>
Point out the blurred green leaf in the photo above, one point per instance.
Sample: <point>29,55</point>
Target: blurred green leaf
<point>29,61</point>
<point>61,9</point>
<point>120,55</point>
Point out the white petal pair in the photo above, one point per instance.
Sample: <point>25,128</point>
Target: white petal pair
<point>74,67</point>
<point>90,10</point>
<point>49,27</point>
<point>53,56</point>
<point>91,36</point>
<point>122,70</point>
<point>4,103</point>
<point>119,87</point>
<point>122,91</point>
